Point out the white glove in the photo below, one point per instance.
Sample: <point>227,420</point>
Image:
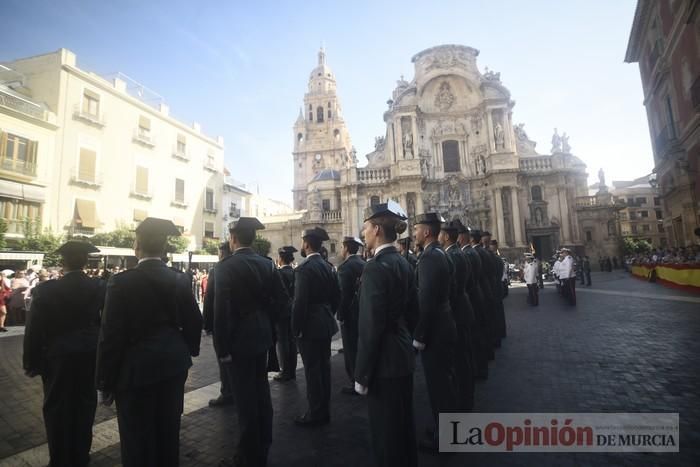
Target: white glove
<point>360,389</point>
<point>418,345</point>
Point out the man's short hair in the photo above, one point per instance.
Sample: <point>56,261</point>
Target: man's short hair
<point>352,247</point>
<point>244,237</point>
<point>74,261</point>
<point>314,243</point>
<point>152,245</point>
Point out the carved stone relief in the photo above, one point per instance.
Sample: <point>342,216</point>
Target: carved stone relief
<point>444,97</point>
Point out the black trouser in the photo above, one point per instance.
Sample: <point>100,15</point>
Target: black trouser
<point>479,334</point>
<point>588,277</point>
<point>391,423</point>
<point>349,333</point>
<point>464,371</point>
<point>569,287</point>
<point>252,391</point>
<point>438,366</point>
<point>70,400</point>
<point>533,294</point>
<point>316,355</point>
<point>225,375</point>
<point>149,423</point>
<point>286,348</point>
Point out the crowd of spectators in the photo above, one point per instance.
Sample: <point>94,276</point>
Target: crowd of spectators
<point>689,255</point>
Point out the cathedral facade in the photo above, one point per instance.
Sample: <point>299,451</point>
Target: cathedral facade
<point>450,146</point>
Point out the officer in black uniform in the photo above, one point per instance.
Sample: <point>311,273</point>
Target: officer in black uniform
<point>226,392</point>
<point>435,335</point>
<point>500,288</point>
<point>249,293</point>
<point>286,343</point>
<point>316,297</point>
<point>385,358</point>
<point>405,251</point>
<point>151,327</point>
<point>349,272</point>
<point>486,280</point>
<point>463,315</point>
<point>60,341</point>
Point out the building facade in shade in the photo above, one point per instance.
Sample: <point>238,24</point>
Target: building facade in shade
<point>450,146</point>
<point>642,216</point>
<point>27,139</point>
<point>116,155</point>
<point>665,41</point>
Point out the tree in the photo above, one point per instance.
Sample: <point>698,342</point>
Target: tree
<point>210,246</point>
<point>177,244</point>
<point>261,245</point>
<point>633,246</point>
<point>121,237</point>
<point>3,230</point>
<point>45,242</point>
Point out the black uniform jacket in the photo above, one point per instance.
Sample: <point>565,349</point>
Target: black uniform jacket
<point>151,325</point>
<point>316,297</point>
<point>208,305</point>
<point>459,300</point>
<point>349,273</point>
<point>64,318</point>
<point>388,315</point>
<point>287,274</point>
<point>433,281</point>
<point>249,294</point>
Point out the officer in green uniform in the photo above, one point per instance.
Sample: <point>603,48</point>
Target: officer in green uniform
<point>385,356</point>
<point>435,335</point>
<point>286,343</point>
<point>316,297</point>
<point>60,342</point>
<point>151,327</point>
<point>349,272</point>
<point>249,296</point>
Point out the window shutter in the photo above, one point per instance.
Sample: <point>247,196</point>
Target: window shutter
<point>139,215</point>
<point>179,190</point>
<point>86,165</point>
<point>144,123</point>
<point>141,180</point>
<point>181,138</point>
<point>3,144</point>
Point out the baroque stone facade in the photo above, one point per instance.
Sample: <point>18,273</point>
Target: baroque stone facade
<point>450,146</point>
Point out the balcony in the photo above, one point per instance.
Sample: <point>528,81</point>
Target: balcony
<point>210,165</point>
<point>87,117</point>
<point>234,213</point>
<point>332,216</point>
<point>86,178</point>
<point>180,154</point>
<point>587,202</point>
<point>144,138</point>
<point>367,175</point>
<point>179,203</point>
<point>17,166</point>
<point>209,209</point>
<point>536,164</point>
<point>140,193</point>
<point>11,101</point>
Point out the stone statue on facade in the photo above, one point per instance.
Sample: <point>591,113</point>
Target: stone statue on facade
<point>601,178</point>
<point>565,148</point>
<point>444,98</point>
<point>556,142</point>
<point>498,136</point>
<point>491,75</point>
<point>408,145</point>
<point>378,143</point>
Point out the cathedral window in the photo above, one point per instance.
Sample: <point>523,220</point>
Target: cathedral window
<point>300,137</point>
<point>326,205</point>
<point>536,192</point>
<point>311,116</point>
<point>450,156</point>
<point>374,200</point>
<point>319,114</point>
<point>329,114</point>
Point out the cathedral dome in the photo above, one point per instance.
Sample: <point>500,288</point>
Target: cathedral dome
<point>322,70</point>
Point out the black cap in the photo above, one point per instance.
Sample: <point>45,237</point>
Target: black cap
<point>156,226</point>
<point>429,218</point>
<point>450,226</point>
<point>461,228</point>
<point>355,240</point>
<point>390,208</point>
<point>475,233</point>
<point>75,247</point>
<point>317,232</point>
<point>287,250</point>
<point>246,223</point>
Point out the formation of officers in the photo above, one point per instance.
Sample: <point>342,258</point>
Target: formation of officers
<point>134,337</point>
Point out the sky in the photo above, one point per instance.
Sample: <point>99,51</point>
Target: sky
<point>241,68</point>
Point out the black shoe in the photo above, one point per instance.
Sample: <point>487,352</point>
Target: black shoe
<point>282,378</point>
<point>3,329</point>
<point>349,390</point>
<point>340,350</point>
<point>221,401</point>
<point>305,420</point>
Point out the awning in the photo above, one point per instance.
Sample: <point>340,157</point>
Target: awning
<point>113,251</point>
<point>183,258</point>
<point>21,256</point>
<point>85,213</point>
<point>23,191</point>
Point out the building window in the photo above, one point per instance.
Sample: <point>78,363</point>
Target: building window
<point>17,212</point>
<point>536,192</point>
<point>84,216</point>
<point>139,215</point>
<point>18,154</point>
<point>657,201</point>
<point>87,166</point>
<point>141,185</point>
<point>179,190</point>
<point>611,228</point>
<point>669,116</point>
<point>326,204</point>
<point>181,144</point>
<point>645,228</point>
<point>332,248</point>
<point>634,228</point>
<point>589,236</point>
<point>450,156</point>
<point>630,201</point>
<point>645,214</point>
<point>319,114</point>
<point>300,137</point>
<point>660,228</point>
<point>144,128</point>
<point>374,200</point>
<point>209,200</point>
<point>659,215</point>
<point>208,230</point>
<point>91,103</point>
<point>641,200</point>
<point>311,116</point>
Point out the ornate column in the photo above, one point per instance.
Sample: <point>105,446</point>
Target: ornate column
<point>564,211</point>
<point>517,223</point>
<point>489,131</point>
<point>419,202</point>
<point>501,231</point>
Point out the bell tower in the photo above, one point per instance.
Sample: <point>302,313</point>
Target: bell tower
<point>321,139</point>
